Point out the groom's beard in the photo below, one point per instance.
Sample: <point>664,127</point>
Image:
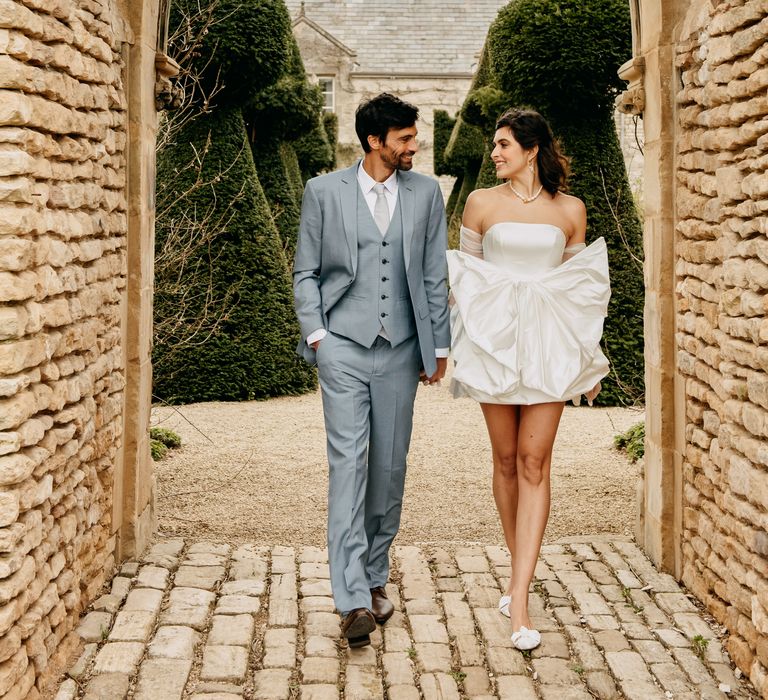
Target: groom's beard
<point>400,161</point>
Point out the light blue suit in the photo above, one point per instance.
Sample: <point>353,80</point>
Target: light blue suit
<point>352,281</point>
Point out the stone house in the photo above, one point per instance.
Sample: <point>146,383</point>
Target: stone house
<point>425,53</point>
<point>699,77</point>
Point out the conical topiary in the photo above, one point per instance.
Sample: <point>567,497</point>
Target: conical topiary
<point>241,278</point>
<point>560,57</point>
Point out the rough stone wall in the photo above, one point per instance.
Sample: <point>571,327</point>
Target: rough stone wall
<point>63,226</point>
<point>722,326</point>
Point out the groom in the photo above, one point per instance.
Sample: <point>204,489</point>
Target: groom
<point>370,292</point>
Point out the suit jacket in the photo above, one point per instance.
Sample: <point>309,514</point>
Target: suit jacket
<point>326,255</point>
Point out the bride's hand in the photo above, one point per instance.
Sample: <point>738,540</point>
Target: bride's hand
<point>592,394</point>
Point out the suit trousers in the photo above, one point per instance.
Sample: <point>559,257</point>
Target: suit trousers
<point>368,396</point>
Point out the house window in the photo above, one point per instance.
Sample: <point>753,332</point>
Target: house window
<point>326,85</point>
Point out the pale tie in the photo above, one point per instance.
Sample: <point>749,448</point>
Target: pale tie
<point>381,208</point>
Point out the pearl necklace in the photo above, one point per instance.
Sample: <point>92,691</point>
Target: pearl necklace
<point>523,198</point>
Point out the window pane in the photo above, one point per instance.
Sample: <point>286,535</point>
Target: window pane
<point>326,85</point>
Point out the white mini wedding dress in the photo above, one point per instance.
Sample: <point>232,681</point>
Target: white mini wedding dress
<point>526,326</point>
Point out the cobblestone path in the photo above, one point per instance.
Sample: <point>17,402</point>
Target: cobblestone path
<point>205,621</point>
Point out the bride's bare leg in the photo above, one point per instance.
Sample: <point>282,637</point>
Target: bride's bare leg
<point>536,435</point>
<point>502,422</point>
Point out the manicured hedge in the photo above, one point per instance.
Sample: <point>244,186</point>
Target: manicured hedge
<point>560,57</point>
<point>251,353</point>
<point>468,182</point>
<point>442,128</point>
<point>234,306</point>
<point>288,108</point>
<point>331,126</point>
<point>466,147</point>
<point>487,175</point>
<point>291,162</point>
<point>485,101</point>
<point>244,48</point>
<point>453,197</point>
<point>274,168</point>
<point>316,153</point>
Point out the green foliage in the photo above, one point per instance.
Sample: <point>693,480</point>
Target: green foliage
<point>331,126</point>
<point>700,645</point>
<point>484,106</point>
<point>454,196</point>
<point>561,56</point>
<point>465,147</point>
<point>632,442</point>
<point>158,450</point>
<point>599,178</point>
<point>250,354</point>
<point>245,48</point>
<point>275,174</point>
<point>316,153</point>
<point>487,176</point>
<point>467,141</point>
<point>485,101</point>
<point>291,162</point>
<point>168,437</point>
<point>289,107</point>
<point>443,126</point>
<point>454,224</point>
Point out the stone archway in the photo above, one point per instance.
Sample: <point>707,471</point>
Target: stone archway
<point>77,142</point>
<point>699,78</point>
<point>651,93</point>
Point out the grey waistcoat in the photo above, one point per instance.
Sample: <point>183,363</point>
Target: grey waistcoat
<point>379,295</point>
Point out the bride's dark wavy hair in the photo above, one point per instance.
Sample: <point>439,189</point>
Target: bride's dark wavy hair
<point>530,129</point>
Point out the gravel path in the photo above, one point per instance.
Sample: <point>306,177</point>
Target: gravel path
<point>256,471</point>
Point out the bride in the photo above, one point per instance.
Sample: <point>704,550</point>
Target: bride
<point>529,299</point>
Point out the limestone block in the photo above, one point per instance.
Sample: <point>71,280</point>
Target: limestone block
<point>9,508</point>
<point>15,253</point>
<point>729,184</point>
<point>13,320</point>
<point>17,286</point>
<point>12,670</point>
<point>755,185</point>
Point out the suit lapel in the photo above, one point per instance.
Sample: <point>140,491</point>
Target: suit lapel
<point>348,195</point>
<point>407,210</point>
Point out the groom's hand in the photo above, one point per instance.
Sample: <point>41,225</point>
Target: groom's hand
<point>442,364</point>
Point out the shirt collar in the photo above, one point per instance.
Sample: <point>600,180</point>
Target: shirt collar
<point>367,182</point>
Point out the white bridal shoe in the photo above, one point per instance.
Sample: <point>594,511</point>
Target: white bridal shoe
<point>525,639</point>
<point>504,602</point>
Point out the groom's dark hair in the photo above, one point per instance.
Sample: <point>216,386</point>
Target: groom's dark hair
<point>380,114</point>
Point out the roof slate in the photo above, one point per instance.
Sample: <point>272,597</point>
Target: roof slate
<point>406,36</point>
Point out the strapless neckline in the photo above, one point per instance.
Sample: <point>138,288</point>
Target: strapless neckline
<point>525,223</point>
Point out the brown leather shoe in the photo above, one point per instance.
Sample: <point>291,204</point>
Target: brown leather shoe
<point>381,606</point>
<point>356,627</point>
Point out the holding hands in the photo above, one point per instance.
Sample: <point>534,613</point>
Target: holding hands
<point>442,364</point>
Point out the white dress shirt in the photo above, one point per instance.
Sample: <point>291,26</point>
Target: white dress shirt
<point>366,183</point>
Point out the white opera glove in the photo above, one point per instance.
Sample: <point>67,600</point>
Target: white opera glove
<point>572,250</point>
<point>471,242</point>
<point>591,395</point>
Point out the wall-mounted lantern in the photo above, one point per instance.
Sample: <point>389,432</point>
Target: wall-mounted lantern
<point>168,95</point>
<point>632,100</point>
